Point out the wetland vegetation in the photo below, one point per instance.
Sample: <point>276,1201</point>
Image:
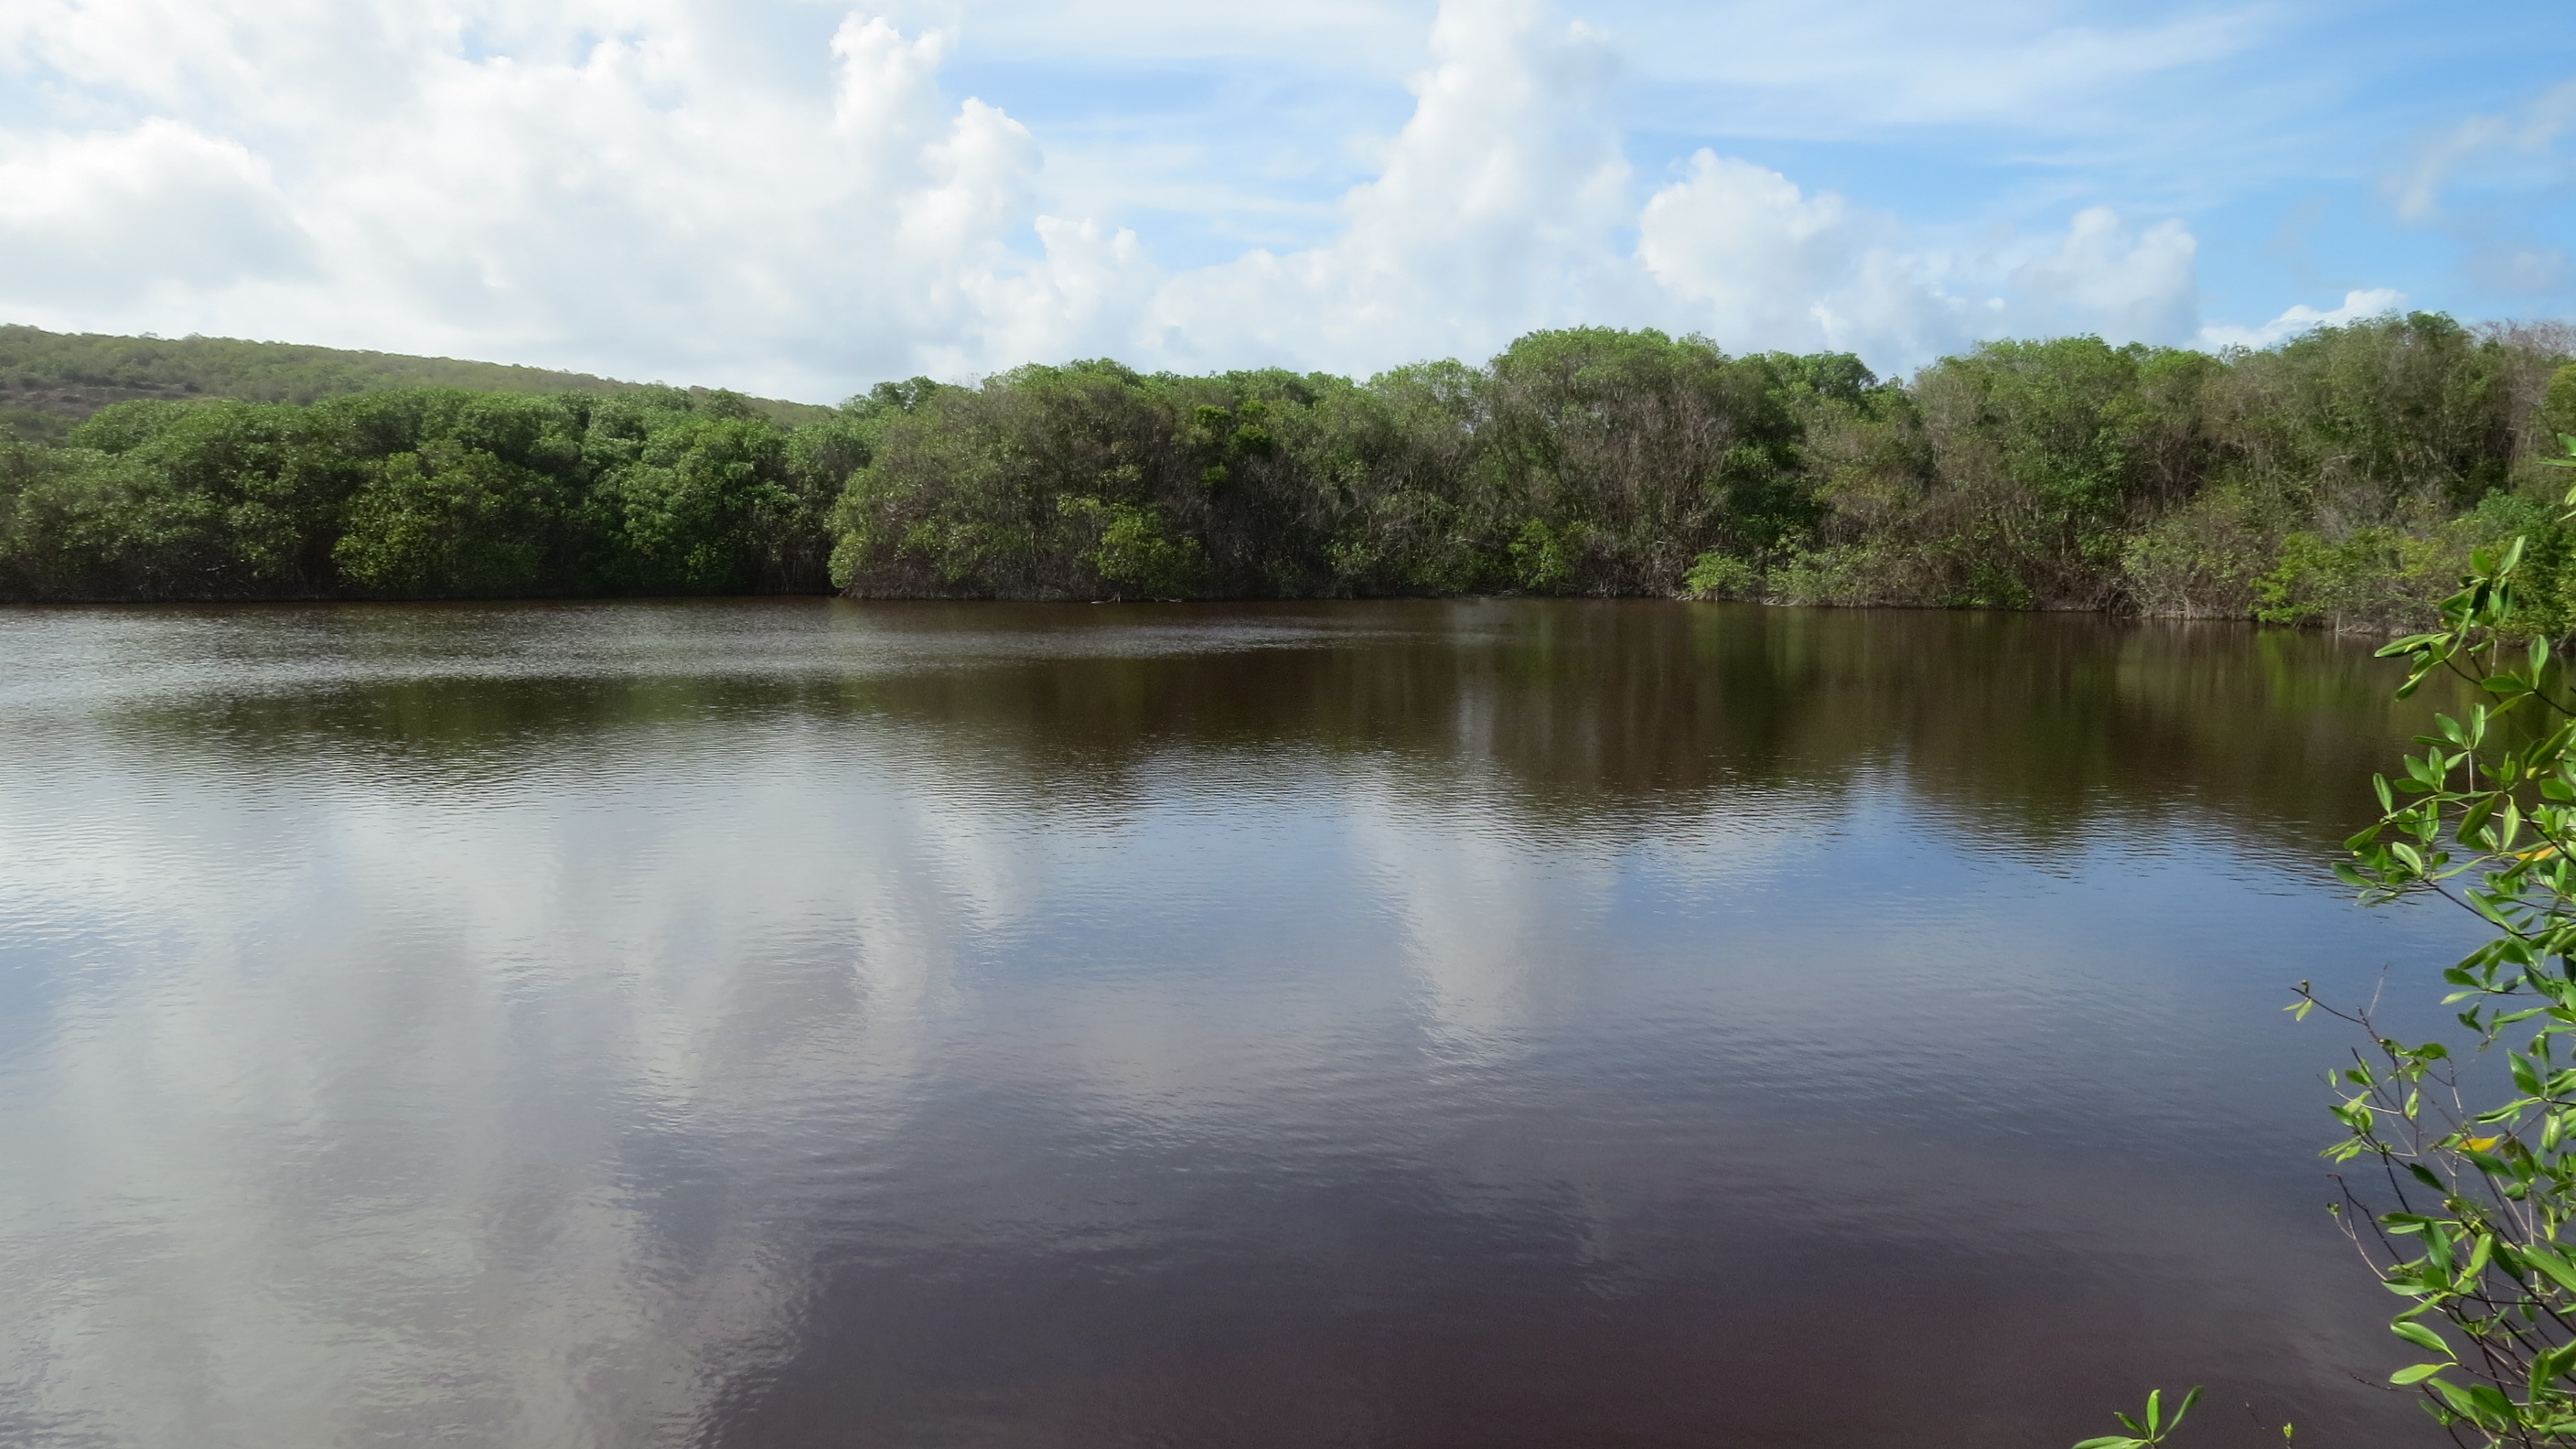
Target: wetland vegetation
<point>2340,478</point>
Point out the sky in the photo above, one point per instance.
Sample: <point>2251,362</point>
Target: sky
<point>801,199</point>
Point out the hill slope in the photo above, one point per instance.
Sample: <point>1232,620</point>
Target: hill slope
<point>51,380</point>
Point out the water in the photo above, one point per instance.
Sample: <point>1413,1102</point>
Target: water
<point>1410,1024</point>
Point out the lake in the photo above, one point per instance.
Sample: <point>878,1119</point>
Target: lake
<point>1488,1023</point>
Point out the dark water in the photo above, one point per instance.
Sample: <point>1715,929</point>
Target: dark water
<point>1481,1024</point>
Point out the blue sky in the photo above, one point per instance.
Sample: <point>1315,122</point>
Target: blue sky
<point>803,198</point>
<point>2277,130</point>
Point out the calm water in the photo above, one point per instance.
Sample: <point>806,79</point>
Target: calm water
<point>1480,1024</point>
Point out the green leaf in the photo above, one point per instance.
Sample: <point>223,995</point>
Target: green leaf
<point>2478,815</point>
<point>2552,1261</point>
<point>2457,1397</point>
<point>2419,1335</point>
<point>2416,1373</point>
<point>2551,1365</point>
<point>2479,1254</point>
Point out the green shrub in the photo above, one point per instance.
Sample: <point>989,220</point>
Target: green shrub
<point>2206,559</point>
<point>2371,579</point>
<point>448,521</point>
<point>1715,575</point>
<point>1133,549</point>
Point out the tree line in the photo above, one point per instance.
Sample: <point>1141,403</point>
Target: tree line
<point>2338,478</point>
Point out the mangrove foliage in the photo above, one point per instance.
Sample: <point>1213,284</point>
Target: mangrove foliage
<point>2341,478</point>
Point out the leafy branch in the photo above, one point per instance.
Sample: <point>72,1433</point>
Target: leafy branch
<point>2468,1219</point>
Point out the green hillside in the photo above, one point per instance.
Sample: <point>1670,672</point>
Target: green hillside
<point>51,380</point>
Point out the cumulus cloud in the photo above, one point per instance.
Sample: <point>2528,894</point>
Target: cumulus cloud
<point>1494,210</point>
<point>1756,262</point>
<point>684,189</point>
<point>1768,265</point>
<point>2101,278</point>
<point>92,217</point>
<point>2357,306</point>
<point>1761,259</point>
<point>624,186</point>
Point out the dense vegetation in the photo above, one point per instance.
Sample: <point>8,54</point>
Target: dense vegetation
<point>421,493</point>
<point>2340,478</point>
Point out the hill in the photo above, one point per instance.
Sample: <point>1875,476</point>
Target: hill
<point>51,380</point>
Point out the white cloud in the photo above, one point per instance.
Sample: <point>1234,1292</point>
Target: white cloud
<point>1764,265</point>
<point>1771,266</point>
<point>1494,210</point>
<point>2416,187</point>
<point>2103,279</point>
<point>2500,161</point>
<point>2357,306</point>
<point>1866,66</point>
<point>684,189</point>
<point>619,188</point>
<point>97,216</point>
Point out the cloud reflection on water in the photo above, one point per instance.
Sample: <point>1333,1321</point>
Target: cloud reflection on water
<point>723,1013</point>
